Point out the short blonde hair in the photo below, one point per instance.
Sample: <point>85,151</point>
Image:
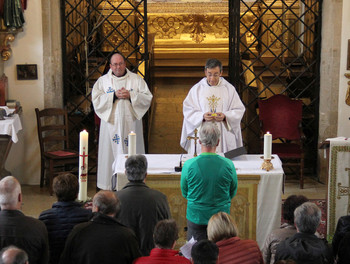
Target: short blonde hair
<point>221,226</point>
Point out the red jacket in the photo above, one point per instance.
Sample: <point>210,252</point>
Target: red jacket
<point>234,250</point>
<point>160,256</point>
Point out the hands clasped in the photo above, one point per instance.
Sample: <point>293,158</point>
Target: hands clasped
<point>218,117</point>
<point>122,93</point>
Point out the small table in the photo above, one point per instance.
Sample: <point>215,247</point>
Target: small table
<point>269,184</point>
<point>8,134</point>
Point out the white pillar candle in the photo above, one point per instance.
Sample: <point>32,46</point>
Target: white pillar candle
<point>131,143</point>
<point>83,165</point>
<point>267,145</point>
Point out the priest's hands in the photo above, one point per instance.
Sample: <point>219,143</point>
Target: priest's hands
<point>218,117</point>
<point>122,93</point>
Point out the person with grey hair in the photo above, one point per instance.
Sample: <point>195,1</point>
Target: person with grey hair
<point>13,255</point>
<point>305,247</point>
<point>103,239</point>
<point>17,229</point>
<point>208,182</point>
<point>141,207</point>
<point>213,99</point>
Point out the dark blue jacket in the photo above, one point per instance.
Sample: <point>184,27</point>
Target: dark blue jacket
<point>59,221</point>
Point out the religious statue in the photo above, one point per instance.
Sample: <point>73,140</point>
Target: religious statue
<point>12,13</point>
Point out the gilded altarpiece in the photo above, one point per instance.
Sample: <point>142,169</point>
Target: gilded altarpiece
<point>243,205</point>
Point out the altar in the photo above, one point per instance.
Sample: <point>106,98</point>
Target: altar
<point>256,207</point>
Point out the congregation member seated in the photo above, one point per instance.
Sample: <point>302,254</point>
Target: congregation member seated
<point>165,235</point>
<point>304,246</point>
<point>141,207</point>
<point>204,252</point>
<point>343,226</point>
<point>64,214</point>
<point>343,253</point>
<point>17,229</point>
<point>103,239</point>
<point>223,231</point>
<point>13,255</point>
<point>286,230</point>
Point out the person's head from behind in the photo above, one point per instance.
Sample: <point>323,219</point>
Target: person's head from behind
<point>118,64</point>
<point>13,255</point>
<point>106,202</point>
<point>165,234</point>
<point>221,226</point>
<point>289,206</point>
<point>307,218</point>
<point>136,168</point>
<point>204,252</point>
<point>213,71</point>
<point>209,135</point>
<point>10,193</point>
<point>66,187</point>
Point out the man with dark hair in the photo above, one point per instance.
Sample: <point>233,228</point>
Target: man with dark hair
<point>204,252</point>
<point>304,247</point>
<point>120,99</point>
<point>64,214</point>
<point>164,236</point>
<point>17,229</point>
<point>286,230</point>
<point>208,182</point>
<point>141,207</point>
<point>13,255</point>
<point>103,239</point>
<point>213,99</point>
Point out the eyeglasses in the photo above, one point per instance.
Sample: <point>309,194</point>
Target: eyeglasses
<point>117,64</point>
<point>213,75</point>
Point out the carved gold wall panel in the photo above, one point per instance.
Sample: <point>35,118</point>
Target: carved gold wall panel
<point>243,206</point>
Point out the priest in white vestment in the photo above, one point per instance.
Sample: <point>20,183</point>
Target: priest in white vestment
<point>213,99</point>
<point>120,100</point>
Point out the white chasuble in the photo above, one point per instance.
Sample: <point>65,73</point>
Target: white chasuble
<point>118,119</point>
<point>204,98</point>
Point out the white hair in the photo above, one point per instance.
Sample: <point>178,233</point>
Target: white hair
<point>9,191</point>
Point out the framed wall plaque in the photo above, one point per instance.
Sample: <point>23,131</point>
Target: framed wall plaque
<point>27,71</point>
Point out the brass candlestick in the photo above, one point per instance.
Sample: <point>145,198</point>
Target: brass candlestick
<point>267,164</point>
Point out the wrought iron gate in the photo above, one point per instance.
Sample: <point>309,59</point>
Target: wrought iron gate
<point>275,48</point>
<point>92,30</point>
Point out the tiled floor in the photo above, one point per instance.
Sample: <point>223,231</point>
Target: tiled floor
<point>35,199</point>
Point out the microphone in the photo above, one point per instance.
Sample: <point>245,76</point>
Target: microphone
<point>179,168</point>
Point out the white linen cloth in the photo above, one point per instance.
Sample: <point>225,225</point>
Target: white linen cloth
<point>11,125</point>
<point>203,98</point>
<point>269,189</point>
<point>118,119</point>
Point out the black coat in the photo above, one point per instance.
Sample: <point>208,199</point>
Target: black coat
<point>26,233</point>
<point>141,209</point>
<point>59,221</point>
<point>343,226</point>
<point>101,240</point>
<point>304,249</point>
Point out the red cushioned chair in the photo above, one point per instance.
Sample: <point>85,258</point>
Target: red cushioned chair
<point>282,116</point>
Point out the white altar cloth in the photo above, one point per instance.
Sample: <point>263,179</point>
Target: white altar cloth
<point>11,125</point>
<point>269,188</point>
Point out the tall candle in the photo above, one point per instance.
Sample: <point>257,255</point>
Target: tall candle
<point>132,143</point>
<point>83,164</point>
<point>267,145</point>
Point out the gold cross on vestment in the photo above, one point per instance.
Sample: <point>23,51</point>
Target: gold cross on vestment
<point>344,190</point>
<point>195,141</point>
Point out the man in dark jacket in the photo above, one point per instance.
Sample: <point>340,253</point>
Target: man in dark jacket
<point>64,214</point>
<point>141,207</point>
<point>103,239</point>
<point>304,247</point>
<point>17,229</point>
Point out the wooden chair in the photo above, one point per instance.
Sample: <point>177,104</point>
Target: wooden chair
<point>282,117</point>
<point>52,126</point>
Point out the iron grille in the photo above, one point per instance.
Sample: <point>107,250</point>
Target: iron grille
<point>274,49</point>
<point>92,30</point>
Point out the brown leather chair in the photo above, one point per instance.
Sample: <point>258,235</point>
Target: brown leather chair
<point>282,117</point>
<point>52,126</point>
